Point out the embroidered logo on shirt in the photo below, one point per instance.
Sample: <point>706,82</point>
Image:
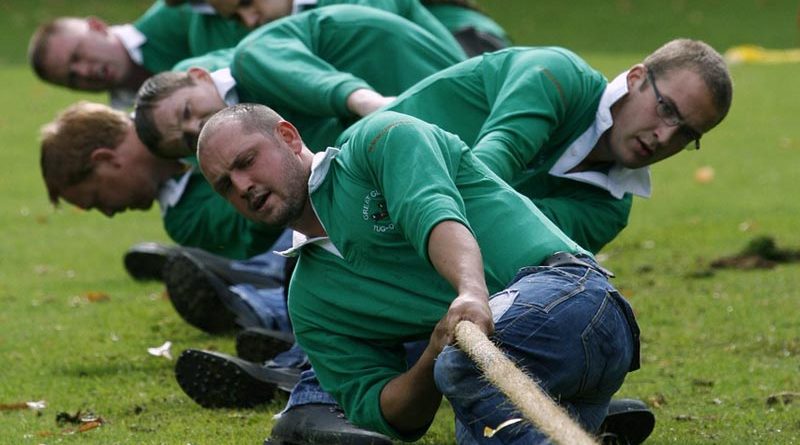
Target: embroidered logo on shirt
<point>374,211</point>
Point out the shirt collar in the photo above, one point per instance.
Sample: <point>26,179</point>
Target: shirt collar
<point>171,192</point>
<point>618,180</point>
<point>299,241</point>
<point>132,39</point>
<point>299,6</point>
<point>320,167</point>
<point>225,84</point>
<point>203,8</point>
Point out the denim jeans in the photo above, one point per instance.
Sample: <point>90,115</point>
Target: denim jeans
<point>567,327</point>
<point>268,304</point>
<point>268,263</point>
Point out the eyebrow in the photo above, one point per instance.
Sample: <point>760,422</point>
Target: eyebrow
<point>695,134</point>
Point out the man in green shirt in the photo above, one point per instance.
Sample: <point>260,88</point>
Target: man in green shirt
<point>403,244</point>
<point>473,30</point>
<point>546,122</point>
<point>323,69</point>
<point>87,54</point>
<point>92,158</point>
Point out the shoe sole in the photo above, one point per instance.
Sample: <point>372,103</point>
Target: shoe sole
<point>259,345</point>
<point>145,262</point>
<point>218,381</point>
<point>195,295</point>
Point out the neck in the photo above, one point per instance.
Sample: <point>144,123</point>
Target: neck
<point>165,169</point>
<point>308,223</point>
<point>598,158</point>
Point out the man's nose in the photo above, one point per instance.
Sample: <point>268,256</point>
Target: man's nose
<point>249,17</point>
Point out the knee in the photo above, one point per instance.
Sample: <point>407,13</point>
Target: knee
<point>452,371</point>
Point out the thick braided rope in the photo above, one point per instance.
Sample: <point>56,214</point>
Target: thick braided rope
<point>525,394</point>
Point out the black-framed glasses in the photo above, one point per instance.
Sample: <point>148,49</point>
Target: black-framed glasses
<point>671,116</point>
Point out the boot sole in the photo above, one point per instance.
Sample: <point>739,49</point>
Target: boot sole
<point>218,381</point>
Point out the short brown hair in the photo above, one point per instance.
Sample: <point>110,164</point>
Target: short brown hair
<point>40,41</point>
<point>68,141</point>
<point>152,92</point>
<point>700,58</point>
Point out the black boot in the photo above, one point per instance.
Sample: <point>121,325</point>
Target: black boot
<point>201,297</point>
<point>259,344</point>
<point>216,380</point>
<point>318,424</point>
<point>145,261</point>
<point>628,422</point>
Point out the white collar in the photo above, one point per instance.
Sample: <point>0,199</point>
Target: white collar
<point>618,180</point>
<point>299,6</point>
<point>132,39</point>
<point>299,241</point>
<point>171,192</point>
<point>203,8</point>
<point>319,170</point>
<point>225,84</point>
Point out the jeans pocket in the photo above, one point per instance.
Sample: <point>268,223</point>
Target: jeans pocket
<point>547,287</point>
<point>608,348</point>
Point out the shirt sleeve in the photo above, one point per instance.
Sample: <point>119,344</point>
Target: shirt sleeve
<point>413,11</point>
<point>281,70</point>
<point>415,166</point>
<point>167,32</point>
<point>529,97</point>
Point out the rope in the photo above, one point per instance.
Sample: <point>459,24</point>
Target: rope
<point>536,406</point>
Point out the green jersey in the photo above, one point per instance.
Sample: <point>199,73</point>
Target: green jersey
<point>177,33</point>
<point>305,66</point>
<point>456,18</point>
<point>520,109</point>
<point>410,10</point>
<point>355,299</point>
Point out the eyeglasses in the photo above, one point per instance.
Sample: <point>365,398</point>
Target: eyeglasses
<point>671,116</point>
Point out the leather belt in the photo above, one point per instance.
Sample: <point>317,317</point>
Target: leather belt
<point>562,259</point>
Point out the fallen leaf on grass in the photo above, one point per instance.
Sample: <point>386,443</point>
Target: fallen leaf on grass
<point>704,175</point>
<point>783,398</point>
<point>685,418</point>
<point>85,422</point>
<point>161,351</point>
<point>657,400</point>
<point>96,296</point>
<point>36,406</point>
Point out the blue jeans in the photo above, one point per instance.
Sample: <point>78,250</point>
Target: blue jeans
<point>567,327</point>
<point>268,304</point>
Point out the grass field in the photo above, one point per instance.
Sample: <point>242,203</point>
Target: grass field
<point>716,344</point>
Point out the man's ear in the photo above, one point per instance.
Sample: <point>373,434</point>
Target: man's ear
<point>199,74</point>
<point>289,134</point>
<point>97,24</point>
<point>636,76</point>
<point>103,155</point>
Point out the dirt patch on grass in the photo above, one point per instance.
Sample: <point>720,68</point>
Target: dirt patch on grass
<point>760,253</point>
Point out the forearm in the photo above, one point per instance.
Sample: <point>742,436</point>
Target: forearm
<point>455,254</point>
<point>410,401</point>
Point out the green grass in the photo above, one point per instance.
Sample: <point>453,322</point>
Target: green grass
<point>714,348</point>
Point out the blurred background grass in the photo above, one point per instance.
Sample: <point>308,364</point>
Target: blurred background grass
<point>633,26</point>
<point>716,345</point>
